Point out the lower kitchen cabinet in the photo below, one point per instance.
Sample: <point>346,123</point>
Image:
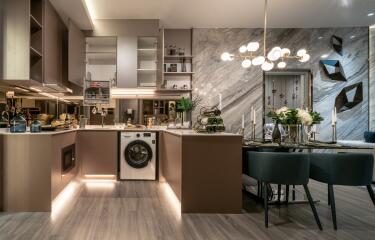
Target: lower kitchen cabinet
<point>97,152</point>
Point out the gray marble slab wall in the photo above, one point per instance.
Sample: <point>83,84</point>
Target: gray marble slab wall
<point>372,80</point>
<point>243,88</point>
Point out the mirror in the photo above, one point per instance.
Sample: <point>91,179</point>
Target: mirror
<point>290,88</point>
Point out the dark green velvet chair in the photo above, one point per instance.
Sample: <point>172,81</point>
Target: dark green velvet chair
<point>348,169</point>
<point>282,169</point>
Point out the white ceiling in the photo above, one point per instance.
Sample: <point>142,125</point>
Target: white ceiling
<point>74,10</point>
<point>233,13</point>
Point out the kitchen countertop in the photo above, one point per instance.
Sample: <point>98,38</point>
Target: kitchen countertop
<point>178,132</point>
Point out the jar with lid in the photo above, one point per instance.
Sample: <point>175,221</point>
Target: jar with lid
<point>36,126</point>
<point>18,124</point>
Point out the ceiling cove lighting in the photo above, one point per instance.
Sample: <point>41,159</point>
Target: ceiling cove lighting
<point>266,61</point>
<point>118,92</point>
<point>90,9</point>
<point>370,14</point>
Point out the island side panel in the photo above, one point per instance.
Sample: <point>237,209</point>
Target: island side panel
<point>60,180</point>
<point>27,173</point>
<point>1,172</point>
<point>211,174</point>
<point>170,148</point>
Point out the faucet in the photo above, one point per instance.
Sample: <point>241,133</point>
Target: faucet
<point>103,114</point>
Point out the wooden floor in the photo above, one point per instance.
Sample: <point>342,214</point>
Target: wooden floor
<point>144,210</point>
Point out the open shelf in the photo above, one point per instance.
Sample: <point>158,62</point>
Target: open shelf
<point>35,53</point>
<point>174,57</point>
<point>178,73</point>
<point>35,26</point>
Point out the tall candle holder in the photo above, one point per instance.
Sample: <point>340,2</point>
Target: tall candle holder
<point>253,124</point>
<point>334,133</point>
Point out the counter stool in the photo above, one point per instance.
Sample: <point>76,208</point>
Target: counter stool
<point>348,169</point>
<point>282,169</point>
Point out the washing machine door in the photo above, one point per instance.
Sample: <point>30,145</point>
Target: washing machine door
<point>138,154</point>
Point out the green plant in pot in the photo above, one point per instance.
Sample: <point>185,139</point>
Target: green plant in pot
<point>184,106</point>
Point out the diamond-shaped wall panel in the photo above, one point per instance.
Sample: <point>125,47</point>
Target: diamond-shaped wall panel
<point>349,97</point>
<point>333,69</point>
<point>337,44</point>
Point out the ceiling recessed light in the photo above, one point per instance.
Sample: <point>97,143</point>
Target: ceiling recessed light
<point>353,36</point>
<point>320,37</point>
<point>370,14</point>
<point>324,56</point>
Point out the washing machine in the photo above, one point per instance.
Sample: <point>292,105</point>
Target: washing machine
<point>138,156</point>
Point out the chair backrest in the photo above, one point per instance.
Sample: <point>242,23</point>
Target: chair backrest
<point>278,167</point>
<point>351,169</point>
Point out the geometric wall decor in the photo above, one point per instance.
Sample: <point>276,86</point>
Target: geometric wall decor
<point>337,44</point>
<point>333,69</point>
<point>349,97</point>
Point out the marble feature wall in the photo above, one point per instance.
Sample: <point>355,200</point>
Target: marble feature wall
<point>243,88</point>
<point>372,80</point>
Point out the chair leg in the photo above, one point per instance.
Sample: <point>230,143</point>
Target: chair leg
<point>287,194</point>
<point>265,197</point>
<point>329,197</point>
<point>371,192</point>
<point>294,193</point>
<point>279,193</point>
<point>333,207</point>
<point>312,205</point>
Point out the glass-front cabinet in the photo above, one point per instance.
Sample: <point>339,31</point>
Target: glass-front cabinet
<point>101,69</point>
<point>147,61</point>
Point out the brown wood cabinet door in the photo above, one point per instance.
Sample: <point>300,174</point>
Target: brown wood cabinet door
<point>76,55</point>
<point>52,45</point>
<point>97,151</point>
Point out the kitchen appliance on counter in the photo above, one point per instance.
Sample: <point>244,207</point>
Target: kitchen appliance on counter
<point>68,158</point>
<point>138,156</point>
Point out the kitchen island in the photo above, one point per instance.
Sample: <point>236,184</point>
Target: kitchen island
<point>203,170</point>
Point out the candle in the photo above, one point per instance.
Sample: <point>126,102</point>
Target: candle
<point>335,116</point>
<point>220,102</point>
<point>243,120</point>
<point>254,117</point>
<point>251,113</point>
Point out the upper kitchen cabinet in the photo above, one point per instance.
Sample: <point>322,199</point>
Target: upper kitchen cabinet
<point>76,55</point>
<point>21,35</point>
<point>135,49</point>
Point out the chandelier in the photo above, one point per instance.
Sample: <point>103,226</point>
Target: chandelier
<point>266,61</point>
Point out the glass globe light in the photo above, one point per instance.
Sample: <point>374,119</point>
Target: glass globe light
<point>274,54</point>
<point>281,65</point>
<point>258,60</point>
<point>301,52</point>
<point>252,46</point>
<point>242,49</point>
<point>267,65</point>
<point>285,52</point>
<point>246,63</point>
<point>305,58</point>
<point>226,56</point>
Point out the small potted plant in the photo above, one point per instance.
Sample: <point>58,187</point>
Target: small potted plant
<point>184,106</point>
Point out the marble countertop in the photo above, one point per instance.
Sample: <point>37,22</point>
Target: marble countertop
<point>189,132</point>
<point>6,131</point>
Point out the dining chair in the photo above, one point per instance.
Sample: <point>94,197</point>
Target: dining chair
<point>281,169</point>
<point>347,169</point>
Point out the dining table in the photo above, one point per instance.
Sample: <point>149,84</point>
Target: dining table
<point>297,197</point>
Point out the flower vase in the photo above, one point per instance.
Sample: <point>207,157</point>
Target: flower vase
<point>294,133</point>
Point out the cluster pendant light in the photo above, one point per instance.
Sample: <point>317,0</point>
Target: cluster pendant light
<point>267,60</point>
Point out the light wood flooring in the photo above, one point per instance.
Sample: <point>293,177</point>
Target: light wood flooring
<point>143,210</point>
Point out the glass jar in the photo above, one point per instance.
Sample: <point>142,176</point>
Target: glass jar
<point>18,124</point>
<point>36,126</point>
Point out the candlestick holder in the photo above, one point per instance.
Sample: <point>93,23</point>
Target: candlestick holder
<point>334,133</point>
<point>253,124</point>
